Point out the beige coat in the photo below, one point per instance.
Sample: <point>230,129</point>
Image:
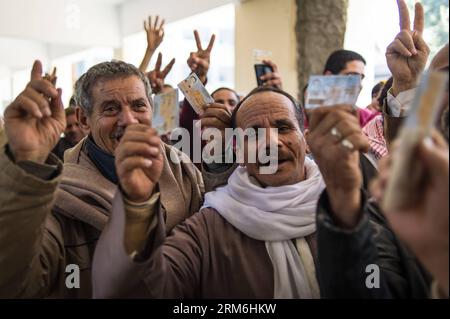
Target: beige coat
<point>203,257</point>
<point>52,217</point>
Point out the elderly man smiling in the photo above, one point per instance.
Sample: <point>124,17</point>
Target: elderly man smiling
<point>49,227</point>
<point>253,238</point>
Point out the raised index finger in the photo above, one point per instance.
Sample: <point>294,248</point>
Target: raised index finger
<point>405,22</point>
<point>197,40</point>
<point>36,71</point>
<point>53,72</point>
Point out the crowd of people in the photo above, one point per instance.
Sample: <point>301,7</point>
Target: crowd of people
<point>137,218</point>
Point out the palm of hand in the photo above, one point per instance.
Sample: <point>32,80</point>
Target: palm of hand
<point>205,56</point>
<point>199,61</point>
<point>154,39</point>
<point>154,31</point>
<point>156,75</point>
<point>406,68</point>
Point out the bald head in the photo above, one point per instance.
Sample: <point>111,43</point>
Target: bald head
<point>265,104</point>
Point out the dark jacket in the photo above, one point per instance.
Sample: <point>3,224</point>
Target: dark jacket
<point>62,146</point>
<point>203,257</point>
<point>343,256</point>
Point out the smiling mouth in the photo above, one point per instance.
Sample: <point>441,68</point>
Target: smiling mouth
<point>117,137</point>
<point>277,162</point>
<point>118,134</point>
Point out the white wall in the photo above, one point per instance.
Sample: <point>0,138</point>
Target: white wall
<point>132,13</point>
<point>55,31</point>
<point>267,25</point>
<point>371,26</point>
<point>17,53</point>
<point>70,22</point>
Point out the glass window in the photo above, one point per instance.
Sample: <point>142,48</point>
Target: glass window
<point>179,42</point>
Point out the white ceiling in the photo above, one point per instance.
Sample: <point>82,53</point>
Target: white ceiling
<point>28,27</point>
<point>111,1</point>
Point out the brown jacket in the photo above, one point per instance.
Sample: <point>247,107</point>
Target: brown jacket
<point>203,257</point>
<point>45,226</point>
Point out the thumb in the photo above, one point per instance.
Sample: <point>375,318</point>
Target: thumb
<point>36,71</point>
<point>57,108</point>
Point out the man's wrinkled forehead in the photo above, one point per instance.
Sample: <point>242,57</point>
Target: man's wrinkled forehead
<point>119,84</point>
<point>264,104</point>
<point>127,87</point>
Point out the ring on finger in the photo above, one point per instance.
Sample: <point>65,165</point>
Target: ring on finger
<point>347,144</point>
<point>335,133</point>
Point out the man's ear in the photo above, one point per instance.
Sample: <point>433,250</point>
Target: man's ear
<point>83,119</point>
<point>305,134</point>
<point>327,73</point>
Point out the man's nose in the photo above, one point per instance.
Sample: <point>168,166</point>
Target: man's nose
<point>269,139</point>
<point>127,117</point>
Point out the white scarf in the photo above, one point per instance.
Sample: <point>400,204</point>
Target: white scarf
<point>276,215</point>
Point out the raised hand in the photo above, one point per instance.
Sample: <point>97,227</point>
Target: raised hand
<point>139,162</point>
<point>407,55</point>
<point>155,33</point>
<point>335,133</point>
<point>424,227</point>
<point>35,120</point>
<point>155,36</point>
<point>274,78</point>
<point>157,76</point>
<point>199,61</point>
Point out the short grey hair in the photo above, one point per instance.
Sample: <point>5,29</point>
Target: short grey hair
<point>106,71</point>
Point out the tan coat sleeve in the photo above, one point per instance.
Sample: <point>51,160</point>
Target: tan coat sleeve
<point>124,279</point>
<point>31,245</point>
<point>165,268</point>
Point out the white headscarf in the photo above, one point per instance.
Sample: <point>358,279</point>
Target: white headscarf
<point>276,215</point>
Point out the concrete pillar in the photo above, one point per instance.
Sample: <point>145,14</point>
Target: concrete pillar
<point>267,25</point>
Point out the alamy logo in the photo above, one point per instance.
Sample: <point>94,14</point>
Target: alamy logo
<point>373,279</point>
<point>250,146</point>
<point>73,16</point>
<point>73,277</point>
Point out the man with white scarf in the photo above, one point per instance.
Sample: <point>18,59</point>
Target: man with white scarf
<point>253,238</point>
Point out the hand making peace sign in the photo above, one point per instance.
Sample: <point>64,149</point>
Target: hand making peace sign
<point>35,120</point>
<point>157,76</point>
<point>407,55</point>
<point>199,61</point>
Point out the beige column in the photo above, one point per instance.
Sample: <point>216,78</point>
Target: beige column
<point>267,25</point>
